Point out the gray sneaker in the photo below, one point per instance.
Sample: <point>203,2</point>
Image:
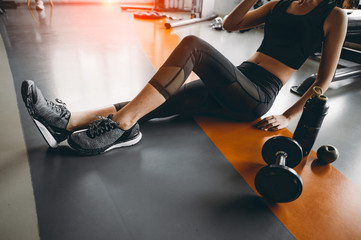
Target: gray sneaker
<point>103,135</point>
<point>50,118</point>
<point>39,5</point>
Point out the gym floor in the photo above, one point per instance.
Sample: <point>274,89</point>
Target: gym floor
<point>189,178</point>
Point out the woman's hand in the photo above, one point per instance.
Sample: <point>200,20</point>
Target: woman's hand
<point>273,123</point>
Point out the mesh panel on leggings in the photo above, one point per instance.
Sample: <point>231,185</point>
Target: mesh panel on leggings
<point>168,80</point>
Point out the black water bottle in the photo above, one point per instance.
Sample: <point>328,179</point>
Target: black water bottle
<point>314,111</point>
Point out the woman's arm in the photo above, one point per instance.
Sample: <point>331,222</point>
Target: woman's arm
<point>335,28</point>
<point>241,18</point>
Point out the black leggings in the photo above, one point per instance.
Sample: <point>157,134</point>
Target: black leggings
<point>245,92</point>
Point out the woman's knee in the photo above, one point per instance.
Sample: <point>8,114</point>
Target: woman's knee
<point>191,41</point>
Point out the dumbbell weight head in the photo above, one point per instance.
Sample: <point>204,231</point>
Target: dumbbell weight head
<point>327,154</point>
<point>278,183</point>
<point>282,144</point>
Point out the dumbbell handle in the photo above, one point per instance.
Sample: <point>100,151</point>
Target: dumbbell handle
<point>281,158</point>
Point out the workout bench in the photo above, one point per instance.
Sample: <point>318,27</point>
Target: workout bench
<point>351,51</point>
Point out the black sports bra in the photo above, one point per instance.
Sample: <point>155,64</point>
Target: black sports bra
<point>291,39</point>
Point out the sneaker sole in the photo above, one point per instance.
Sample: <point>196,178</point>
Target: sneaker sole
<point>126,144</point>
<point>48,137</point>
<point>50,140</point>
<point>129,143</point>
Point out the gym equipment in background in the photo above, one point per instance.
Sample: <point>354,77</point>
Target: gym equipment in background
<point>351,51</point>
<point>148,15</point>
<point>341,74</point>
<point>217,23</point>
<point>278,182</point>
<point>200,11</point>
<point>188,21</point>
<point>153,15</point>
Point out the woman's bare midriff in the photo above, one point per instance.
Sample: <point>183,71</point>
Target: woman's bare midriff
<point>280,70</point>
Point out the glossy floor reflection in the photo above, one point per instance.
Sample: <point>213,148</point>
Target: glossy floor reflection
<point>88,58</point>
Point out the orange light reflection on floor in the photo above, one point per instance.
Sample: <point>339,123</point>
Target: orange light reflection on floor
<point>157,41</point>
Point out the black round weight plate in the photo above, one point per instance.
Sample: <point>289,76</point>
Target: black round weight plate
<point>278,183</point>
<point>285,144</point>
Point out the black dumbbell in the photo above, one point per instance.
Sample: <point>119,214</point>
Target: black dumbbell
<point>278,182</point>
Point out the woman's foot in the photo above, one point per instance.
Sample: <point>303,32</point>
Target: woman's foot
<point>50,118</point>
<point>103,135</point>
